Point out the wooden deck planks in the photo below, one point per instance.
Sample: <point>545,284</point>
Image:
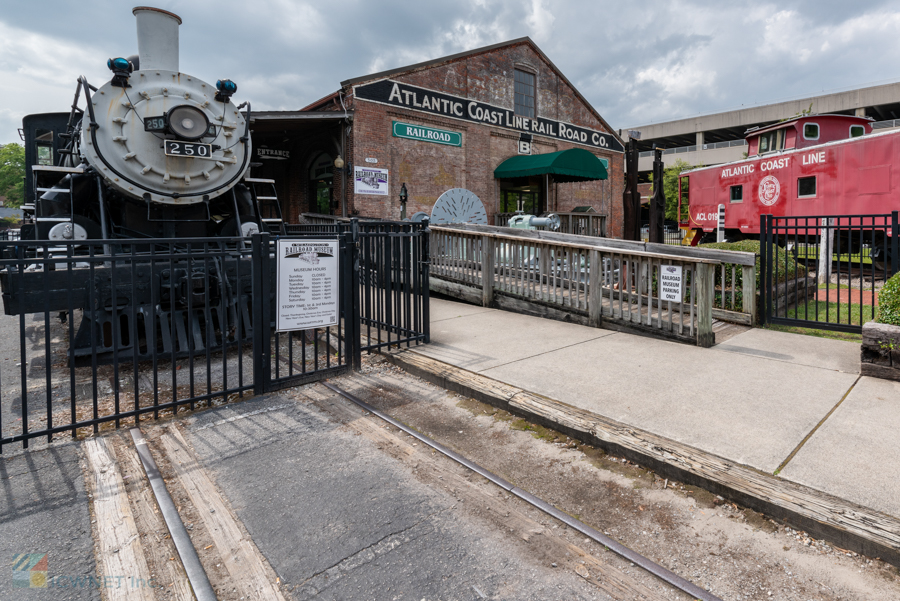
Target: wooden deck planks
<point>123,568</point>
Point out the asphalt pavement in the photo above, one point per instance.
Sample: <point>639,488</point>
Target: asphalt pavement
<point>44,509</point>
<point>337,518</point>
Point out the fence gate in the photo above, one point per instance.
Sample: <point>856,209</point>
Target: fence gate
<point>284,359</point>
<point>825,271</point>
<point>104,333</point>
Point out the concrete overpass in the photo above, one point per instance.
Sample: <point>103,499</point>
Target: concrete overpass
<point>719,137</point>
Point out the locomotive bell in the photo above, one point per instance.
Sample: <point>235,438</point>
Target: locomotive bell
<point>166,137</point>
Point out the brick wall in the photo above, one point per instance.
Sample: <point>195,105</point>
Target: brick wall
<point>430,169</point>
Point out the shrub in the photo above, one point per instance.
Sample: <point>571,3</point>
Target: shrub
<point>889,302</point>
<point>785,269</point>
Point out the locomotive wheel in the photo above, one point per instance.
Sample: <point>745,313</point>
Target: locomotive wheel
<point>93,229</point>
<point>228,227</point>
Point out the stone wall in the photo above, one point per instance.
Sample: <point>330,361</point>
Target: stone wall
<point>880,352</point>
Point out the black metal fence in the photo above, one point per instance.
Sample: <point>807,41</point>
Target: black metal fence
<point>393,279</point>
<point>825,271</point>
<point>100,333</point>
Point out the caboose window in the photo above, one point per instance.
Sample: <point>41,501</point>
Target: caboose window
<point>811,131</point>
<point>857,131</point>
<point>806,187</point>
<point>737,193</point>
<point>772,141</point>
<point>524,93</point>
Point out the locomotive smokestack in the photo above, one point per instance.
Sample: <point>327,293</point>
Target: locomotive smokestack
<point>157,33</point>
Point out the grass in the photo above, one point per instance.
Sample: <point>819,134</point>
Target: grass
<point>831,334</point>
<point>812,253</point>
<point>826,312</point>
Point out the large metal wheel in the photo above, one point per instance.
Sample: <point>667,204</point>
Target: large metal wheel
<point>458,205</point>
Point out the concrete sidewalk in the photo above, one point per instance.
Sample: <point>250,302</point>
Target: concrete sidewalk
<point>784,404</point>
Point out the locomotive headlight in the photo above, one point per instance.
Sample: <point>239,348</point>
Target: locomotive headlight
<point>188,122</point>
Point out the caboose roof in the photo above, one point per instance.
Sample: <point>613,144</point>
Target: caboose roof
<point>793,150</point>
<point>781,124</point>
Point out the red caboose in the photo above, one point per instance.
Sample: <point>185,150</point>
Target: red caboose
<point>809,165</point>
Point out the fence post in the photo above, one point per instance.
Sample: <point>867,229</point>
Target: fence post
<point>763,270</point>
<point>720,224</point>
<point>826,250</point>
<point>426,282</point>
<point>262,335</point>
<point>595,292</point>
<point>705,292</point>
<point>895,242</point>
<point>487,271</point>
<point>355,329</point>
<point>748,293</point>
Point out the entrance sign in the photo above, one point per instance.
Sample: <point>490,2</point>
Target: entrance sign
<point>262,152</point>
<point>671,283</point>
<point>369,180</point>
<point>427,134</point>
<point>307,284</point>
<point>403,95</point>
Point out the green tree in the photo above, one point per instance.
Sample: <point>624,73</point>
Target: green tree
<point>12,174</point>
<point>670,187</point>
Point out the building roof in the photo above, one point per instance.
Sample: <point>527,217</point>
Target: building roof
<point>429,64</point>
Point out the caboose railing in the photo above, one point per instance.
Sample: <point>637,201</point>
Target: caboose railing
<point>591,280</point>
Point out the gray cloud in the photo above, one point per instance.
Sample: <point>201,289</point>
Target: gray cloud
<point>636,62</point>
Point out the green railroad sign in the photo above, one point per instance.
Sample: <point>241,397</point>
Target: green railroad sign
<point>427,134</point>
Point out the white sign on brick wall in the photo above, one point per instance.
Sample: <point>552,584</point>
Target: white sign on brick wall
<point>369,180</point>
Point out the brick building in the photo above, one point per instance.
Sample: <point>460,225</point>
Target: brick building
<point>442,124</point>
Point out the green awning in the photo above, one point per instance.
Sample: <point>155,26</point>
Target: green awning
<point>573,165</point>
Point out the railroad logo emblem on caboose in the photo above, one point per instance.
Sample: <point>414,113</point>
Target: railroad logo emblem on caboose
<point>769,189</point>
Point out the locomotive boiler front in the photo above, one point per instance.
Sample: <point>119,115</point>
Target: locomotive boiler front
<point>161,136</point>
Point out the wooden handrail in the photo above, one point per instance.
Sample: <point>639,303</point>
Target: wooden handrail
<point>524,269</point>
<point>609,249</point>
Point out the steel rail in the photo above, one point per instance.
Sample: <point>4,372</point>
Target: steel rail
<point>654,568</point>
<point>189,559</point>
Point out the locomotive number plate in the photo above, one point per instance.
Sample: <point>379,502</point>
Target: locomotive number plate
<point>174,148</point>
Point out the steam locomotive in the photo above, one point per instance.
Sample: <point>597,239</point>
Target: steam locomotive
<point>153,154</point>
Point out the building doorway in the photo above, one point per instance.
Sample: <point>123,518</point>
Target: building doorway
<point>522,194</point>
<point>321,182</point>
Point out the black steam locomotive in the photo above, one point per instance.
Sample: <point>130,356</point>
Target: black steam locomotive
<point>153,154</point>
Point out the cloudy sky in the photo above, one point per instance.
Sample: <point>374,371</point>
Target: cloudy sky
<point>636,62</point>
